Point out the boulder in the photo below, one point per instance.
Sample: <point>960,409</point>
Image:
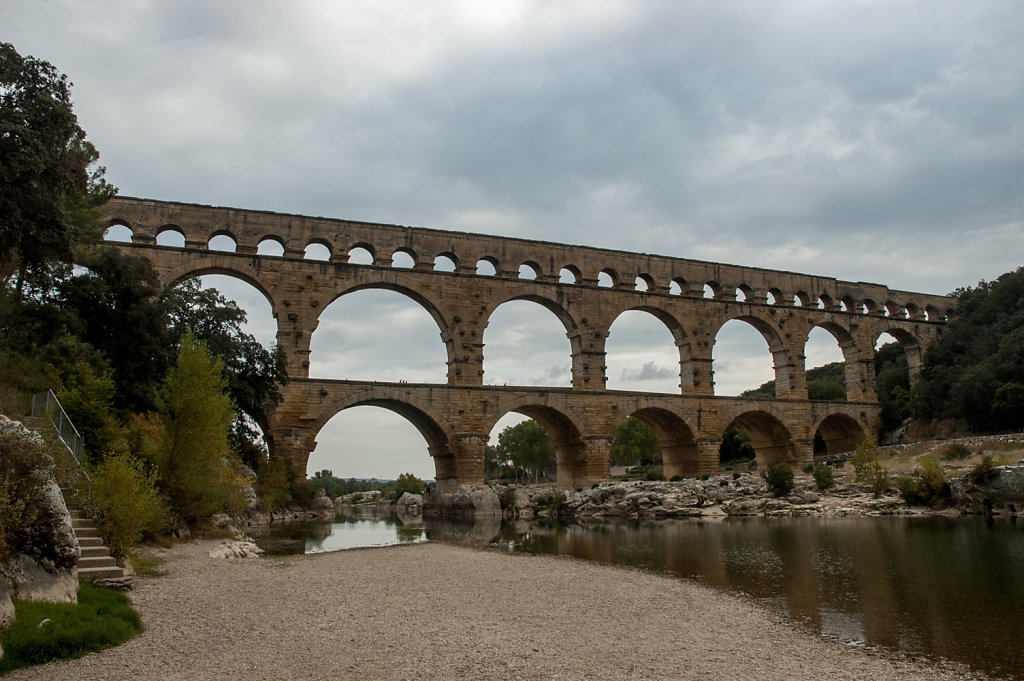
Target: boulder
<point>1001,491</point>
<point>322,505</point>
<point>409,504</point>
<point>237,548</point>
<point>479,500</point>
<point>46,569</point>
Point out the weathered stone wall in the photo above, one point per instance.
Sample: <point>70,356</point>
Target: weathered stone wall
<point>461,302</point>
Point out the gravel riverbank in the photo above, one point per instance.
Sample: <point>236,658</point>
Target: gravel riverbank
<point>436,611</point>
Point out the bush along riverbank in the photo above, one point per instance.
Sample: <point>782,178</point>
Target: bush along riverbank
<point>966,476</point>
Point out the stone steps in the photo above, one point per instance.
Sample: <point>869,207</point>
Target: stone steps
<point>96,565</point>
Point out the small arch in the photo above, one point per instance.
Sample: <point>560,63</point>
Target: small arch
<point>487,267</point>
<point>221,241</point>
<point>118,233</point>
<point>773,296</point>
<point>825,302</point>
<point>271,246</point>
<point>712,289</point>
<point>868,306</point>
<point>317,250</point>
<point>403,259</point>
<point>743,293</point>
<point>529,270</point>
<point>171,236</point>
<point>932,314</point>
<point>677,286</point>
<point>801,299</point>
<point>643,282</point>
<point>570,274</point>
<point>445,262</point>
<point>839,433</point>
<point>360,255</point>
<point>846,304</point>
<point>605,280</point>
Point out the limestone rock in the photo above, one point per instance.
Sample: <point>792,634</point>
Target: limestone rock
<point>465,499</point>
<point>237,548</point>
<point>409,504</point>
<point>322,503</point>
<point>1001,492</point>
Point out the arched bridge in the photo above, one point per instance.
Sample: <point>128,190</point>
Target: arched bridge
<point>587,289</point>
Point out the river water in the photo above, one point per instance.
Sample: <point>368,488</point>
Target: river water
<point>934,587</point>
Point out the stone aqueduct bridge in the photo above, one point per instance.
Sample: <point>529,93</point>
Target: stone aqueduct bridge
<point>456,418</point>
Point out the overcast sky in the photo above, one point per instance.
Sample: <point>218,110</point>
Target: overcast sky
<point>873,141</point>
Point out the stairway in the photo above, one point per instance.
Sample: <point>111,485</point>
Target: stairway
<point>96,565</point>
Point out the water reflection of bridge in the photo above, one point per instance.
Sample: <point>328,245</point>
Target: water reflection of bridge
<point>586,289</point>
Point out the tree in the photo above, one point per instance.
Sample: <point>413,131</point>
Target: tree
<point>49,183</point>
<point>197,415</point>
<point>635,443</point>
<point>524,450</point>
<point>253,373</point>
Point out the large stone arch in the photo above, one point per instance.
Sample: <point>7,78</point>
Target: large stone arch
<point>680,453</point>
<point>841,433</point>
<point>771,439</point>
<point>782,362</point>
<point>568,322</point>
<point>430,424</point>
<point>854,362</point>
<point>567,436</point>
<point>910,344</point>
<point>437,312</point>
<point>675,327</point>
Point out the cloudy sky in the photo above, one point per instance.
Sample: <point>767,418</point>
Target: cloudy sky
<point>875,141</point>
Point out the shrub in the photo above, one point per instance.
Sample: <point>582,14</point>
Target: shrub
<point>125,503</point>
<point>554,501</point>
<point>864,460</point>
<point>926,485</point>
<point>272,486</point>
<point>809,469</point>
<point>655,473</point>
<point>703,476</point>
<point>676,478</point>
<point>984,471</point>
<point>101,619</point>
<point>779,478</point>
<point>507,498</point>
<point>823,476</point>
<point>868,469</point>
<point>954,451</point>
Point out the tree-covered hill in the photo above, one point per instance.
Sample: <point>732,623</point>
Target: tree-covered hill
<point>975,372</point>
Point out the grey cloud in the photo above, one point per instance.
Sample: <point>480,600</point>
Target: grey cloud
<point>648,372</point>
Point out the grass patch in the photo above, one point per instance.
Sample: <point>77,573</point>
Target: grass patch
<point>146,564</point>
<point>103,618</point>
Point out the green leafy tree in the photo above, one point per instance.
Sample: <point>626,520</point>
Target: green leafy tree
<point>197,415</point>
<point>273,484</point>
<point>525,451</point>
<point>50,184</point>
<point>24,464</point>
<point>736,444</point>
<point>87,399</point>
<point>635,444</point>
<point>407,482</point>
<point>118,307</point>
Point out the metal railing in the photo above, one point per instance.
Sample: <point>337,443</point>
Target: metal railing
<point>46,405</point>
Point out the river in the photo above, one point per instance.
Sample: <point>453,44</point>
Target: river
<point>936,587</point>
